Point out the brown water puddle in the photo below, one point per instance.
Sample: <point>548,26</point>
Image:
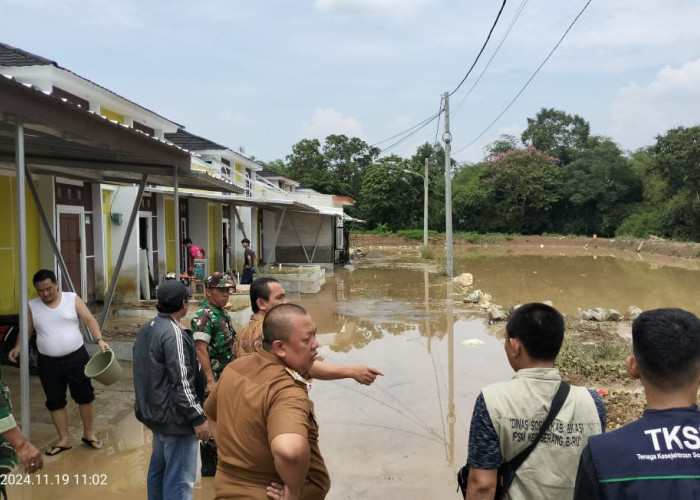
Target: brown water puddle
<point>406,435</point>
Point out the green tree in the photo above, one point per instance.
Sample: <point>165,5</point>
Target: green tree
<point>435,154</point>
<point>599,190</point>
<point>346,160</point>
<point>522,186</point>
<point>557,133</point>
<point>388,194</point>
<point>503,144</point>
<point>307,165</point>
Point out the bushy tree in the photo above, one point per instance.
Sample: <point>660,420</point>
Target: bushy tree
<point>388,193</point>
<point>513,192</point>
<point>557,133</point>
<point>599,189</point>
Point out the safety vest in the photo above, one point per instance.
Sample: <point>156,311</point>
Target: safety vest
<point>518,408</point>
<point>655,457</point>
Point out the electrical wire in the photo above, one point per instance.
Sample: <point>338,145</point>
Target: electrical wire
<point>498,48</point>
<point>527,82</point>
<point>413,130</point>
<point>419,126</point>
<point>495,22</point>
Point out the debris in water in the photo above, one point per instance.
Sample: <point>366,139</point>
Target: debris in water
<point>472,342</point>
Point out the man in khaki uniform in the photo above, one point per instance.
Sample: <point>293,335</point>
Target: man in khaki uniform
<point>260,454</point>
<point>266,293</point>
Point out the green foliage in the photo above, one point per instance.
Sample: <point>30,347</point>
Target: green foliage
<point>602,359</point>
<point>597,189</point>
<point>521,187</point>
<point>388,194</point>
<point>337,168</point>
<point>427,253</point>
<point>557,133</point>
<point>380,228</point>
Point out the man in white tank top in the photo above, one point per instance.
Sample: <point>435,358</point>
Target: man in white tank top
<point>55,316</point>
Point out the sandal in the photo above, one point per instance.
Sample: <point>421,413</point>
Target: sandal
<point>95,444</point>
<point>56,449</point>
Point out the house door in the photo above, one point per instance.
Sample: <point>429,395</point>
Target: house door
<point>70,233</point>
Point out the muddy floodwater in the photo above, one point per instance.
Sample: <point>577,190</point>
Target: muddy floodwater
<point>405,436</point>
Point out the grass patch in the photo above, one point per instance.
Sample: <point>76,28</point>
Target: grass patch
<point>602,360</point>
<point>427,253</point>
<point>480,239</point>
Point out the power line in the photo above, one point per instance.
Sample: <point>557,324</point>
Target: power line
<point>528,81</point>
<point>495,22</point>
<point>498,48</point>
<point>420,125</point>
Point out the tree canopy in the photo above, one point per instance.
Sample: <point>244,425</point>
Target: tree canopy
<point>557,178</point>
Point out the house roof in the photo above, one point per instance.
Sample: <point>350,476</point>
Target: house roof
<point>192,142</point>
<point>14,57</point>
<point>60,138</point>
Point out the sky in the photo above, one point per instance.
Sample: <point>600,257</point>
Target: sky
<point>260,75</point>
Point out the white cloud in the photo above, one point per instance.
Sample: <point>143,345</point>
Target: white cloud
<point>672,99</point>
<point>328,121</point>
<point>394,8</point>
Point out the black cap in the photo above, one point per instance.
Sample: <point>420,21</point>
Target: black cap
<point>171,294</point>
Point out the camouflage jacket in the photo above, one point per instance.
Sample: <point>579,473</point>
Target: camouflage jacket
<point>8,457</point>
<point>213,325</point>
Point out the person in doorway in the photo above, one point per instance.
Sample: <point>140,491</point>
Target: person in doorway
<point>213,340</point>
<point>166,399</point>
<point>193,252</point>
<point>55,316</point>
<point>507,414</point>
<point>656,456</point>
<point>277,455</point>
<point>266,293</point>
<point>249,261</point>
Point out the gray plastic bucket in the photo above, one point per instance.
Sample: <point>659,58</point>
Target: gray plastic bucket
<point>104,367</point>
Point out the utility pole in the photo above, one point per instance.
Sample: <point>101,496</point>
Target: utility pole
<point>425,205</point>
<point>447,138</point>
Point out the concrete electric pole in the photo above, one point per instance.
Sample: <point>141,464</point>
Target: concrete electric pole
<point>447,138</point>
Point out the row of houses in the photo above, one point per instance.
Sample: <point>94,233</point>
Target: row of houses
<point>113,189</point>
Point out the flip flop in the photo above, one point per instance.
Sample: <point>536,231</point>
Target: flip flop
<point>56,449</point>
<point>95,444</point>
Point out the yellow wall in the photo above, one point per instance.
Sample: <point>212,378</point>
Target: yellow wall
<point>9,241</point>
<point>169,235</point>
<point>111,115</point>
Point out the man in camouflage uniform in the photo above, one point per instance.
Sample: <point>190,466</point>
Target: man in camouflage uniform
<point>14,447</point>
<point>213,337</point>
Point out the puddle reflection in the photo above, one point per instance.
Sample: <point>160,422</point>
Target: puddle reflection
<point>405,435</point>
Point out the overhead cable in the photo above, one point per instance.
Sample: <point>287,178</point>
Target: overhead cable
<point>527,82</point>
<point>419,126</point>
<point>495,22</point>
<point>498,48</point>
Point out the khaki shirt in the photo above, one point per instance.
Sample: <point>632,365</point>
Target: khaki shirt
<point>255,400</point>
<point>251,337</point>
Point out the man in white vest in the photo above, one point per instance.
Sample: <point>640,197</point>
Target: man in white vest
<point>507,415</point>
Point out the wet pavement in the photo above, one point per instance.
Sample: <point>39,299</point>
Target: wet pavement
<point>405,436</point>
